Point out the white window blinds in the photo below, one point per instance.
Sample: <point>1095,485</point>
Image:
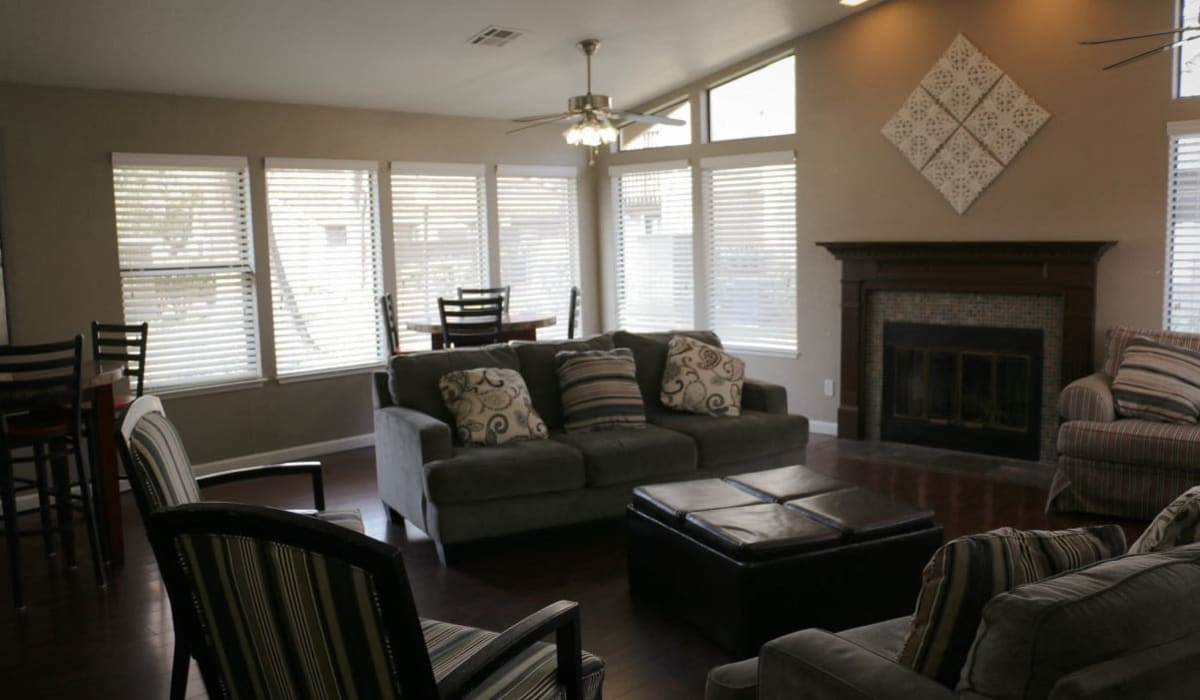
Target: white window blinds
<point>1182,303</point>
<point>325,265</point>
<point>439,218</point>
<point>654,280</point>
<point>750,250</point>
<point>187,266</point>
<point>539,240</point>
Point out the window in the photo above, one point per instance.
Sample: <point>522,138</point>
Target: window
<point>1189,51</point>
<point>187,266</point>
<point>439,218</point>
<point>1182,294</point>
<point>750,241</point>
<point>325,265</point>
<point>539,240</point>
<point>759,103</point>
<point>654,246</point>
<point>636,136</point>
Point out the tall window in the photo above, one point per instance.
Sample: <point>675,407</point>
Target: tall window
<point>750,242</point>
<point>759,103</point>
<point>539,240</point>
<point>1182,298</point>
<point>637,136</point>
<point>654,246</point>
<point>1188,53</point>
<point>439,218</point>
<point>325,265</point>
<point>187,266</point>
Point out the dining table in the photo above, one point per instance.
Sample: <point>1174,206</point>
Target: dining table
<point>514,326</point>
<point>96,381</point>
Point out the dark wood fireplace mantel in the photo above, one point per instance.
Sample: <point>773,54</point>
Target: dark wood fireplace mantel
<point>1065,269</point>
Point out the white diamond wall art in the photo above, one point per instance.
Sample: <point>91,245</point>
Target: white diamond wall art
<point>964,123</point>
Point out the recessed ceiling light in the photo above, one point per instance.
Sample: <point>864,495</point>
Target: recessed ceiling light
<point>852,3</point>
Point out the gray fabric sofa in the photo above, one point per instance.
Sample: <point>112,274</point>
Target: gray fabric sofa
<point>1127,627</point>
<point>457,493</point>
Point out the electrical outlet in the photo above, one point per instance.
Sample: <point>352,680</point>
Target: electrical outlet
<point>829,386</point>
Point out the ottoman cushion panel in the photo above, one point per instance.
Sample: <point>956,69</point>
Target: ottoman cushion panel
<point>672,502</point>
<point>624,456</point>
<point>786,483</point>
<point>862,514</point>
<point>513,469</point>
<point>760,531</point>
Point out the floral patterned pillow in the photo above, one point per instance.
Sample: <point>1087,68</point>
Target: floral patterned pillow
<point>1176,525</point>
<point>491,406</point>
<point>701,378</point>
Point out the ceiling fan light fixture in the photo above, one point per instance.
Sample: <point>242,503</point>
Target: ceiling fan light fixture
<point>591,131</point>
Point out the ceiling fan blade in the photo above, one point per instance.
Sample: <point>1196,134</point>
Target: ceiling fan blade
<point>1114,39</point>
<point>542,117</point>
<point>1151,52</point>
<point>646,118</point>
<point>543,122</point>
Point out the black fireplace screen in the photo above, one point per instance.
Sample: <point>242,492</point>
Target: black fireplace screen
<point>963,387</point>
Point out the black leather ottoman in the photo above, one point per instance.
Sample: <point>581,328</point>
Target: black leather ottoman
<point>750,557</point>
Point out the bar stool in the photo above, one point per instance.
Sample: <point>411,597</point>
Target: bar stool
<point>117,342</point>
<point>41,409</point>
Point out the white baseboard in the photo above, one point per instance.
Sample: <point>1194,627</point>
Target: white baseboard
<point>821,427</point>
<point>28,502</point>
<point>287,454</point>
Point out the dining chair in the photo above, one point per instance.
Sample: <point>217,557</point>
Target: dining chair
<point>470,322</point>
<point>573,313</point>
<point>387,307</point>
<point>161,475</point>
<point>273,604</point>
<point>478,292</point>
<point>126,343</point>
<point>41,410</point>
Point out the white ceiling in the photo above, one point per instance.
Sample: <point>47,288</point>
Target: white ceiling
<point>406,55</point>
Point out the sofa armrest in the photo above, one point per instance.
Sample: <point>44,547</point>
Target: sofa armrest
<point>1088,398</point>
<point>763,396</point>
<point>817,665</point>
<point>406,440</point>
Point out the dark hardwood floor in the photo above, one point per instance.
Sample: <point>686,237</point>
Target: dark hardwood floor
<point>76,641</point>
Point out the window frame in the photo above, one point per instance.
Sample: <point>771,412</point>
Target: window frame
<point>1177,56</point>
<point>707,103</point>
<point>1175,132</point>
<point>255,376</point>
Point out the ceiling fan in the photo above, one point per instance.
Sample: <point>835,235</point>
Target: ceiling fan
<point>1178,41</point>
<point>593,115</point>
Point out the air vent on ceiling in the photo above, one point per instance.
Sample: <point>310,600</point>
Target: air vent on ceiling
<point>494,36</point>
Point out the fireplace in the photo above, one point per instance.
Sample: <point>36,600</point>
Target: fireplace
<point>967,388</point>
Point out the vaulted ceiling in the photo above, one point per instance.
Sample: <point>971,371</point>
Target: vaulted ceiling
<point>409,55</point>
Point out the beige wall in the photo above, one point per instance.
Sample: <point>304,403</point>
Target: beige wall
<point>1096,170</point>
<point>60,245</point>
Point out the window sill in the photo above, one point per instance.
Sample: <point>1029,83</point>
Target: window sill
<point>331,373</point>
<point>200,390</point>
<point>767,353</point>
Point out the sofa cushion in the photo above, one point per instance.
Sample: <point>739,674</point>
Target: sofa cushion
<point>413,377</point>
<point>599,390</point>
<point>1036,634</point>
<point>514,469</point>
<point>1158,382</point>
<point>737,439</point>
<point>966,573</point>
<point>541,375</point>
<point>884,638</point>
<point>1178,524</point>
<point>1132,442</point>
<point>1119,338</point>
<point>701,378</point>
<point>650,355</point>
<point>1170,670</point>
<point>627,456</point>
<point>491,406</point>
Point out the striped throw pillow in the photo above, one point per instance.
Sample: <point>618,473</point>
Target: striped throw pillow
<point>966,573</point>
<point>1159,382</point>
<point>599,390</point>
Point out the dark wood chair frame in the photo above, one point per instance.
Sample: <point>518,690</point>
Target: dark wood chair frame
<point>573,313</point>
<point>123,343</point>
<point>385,565</point>
<point>141,496</point>
<point>44,383</point>
<point>475,293</point>
<point>387,307</point>
<point>471,322</point>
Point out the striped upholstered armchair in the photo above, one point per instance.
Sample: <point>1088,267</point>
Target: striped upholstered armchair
<point>161,475</point>
<point>280,605</point>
